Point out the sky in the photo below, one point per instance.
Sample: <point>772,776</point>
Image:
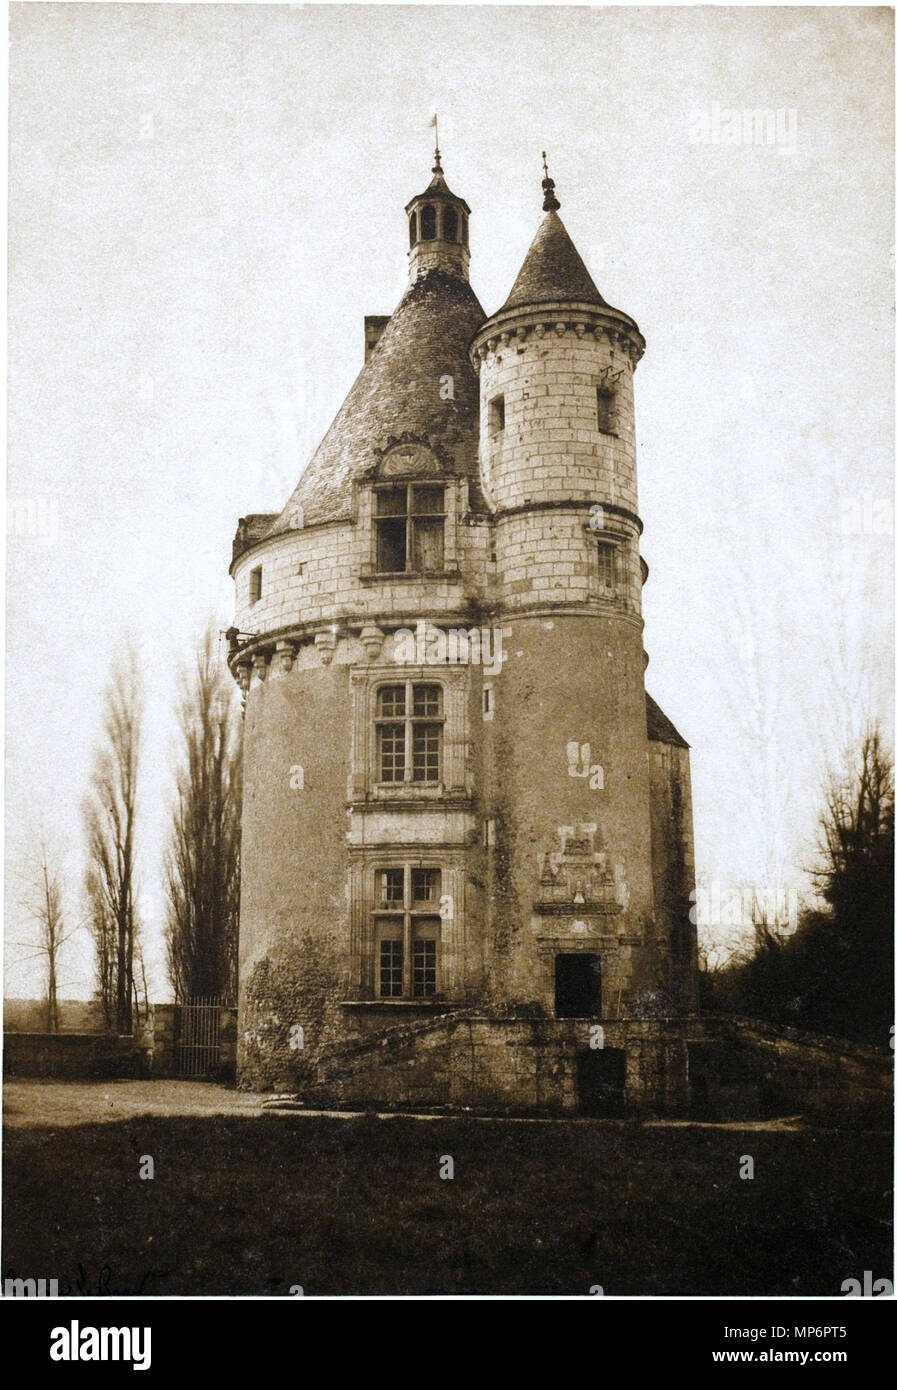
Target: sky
<point>205,201</point>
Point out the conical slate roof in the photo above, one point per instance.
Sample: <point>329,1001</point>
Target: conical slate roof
<point>553,270</point>
<point>438,188</point>
<point>400,389</point>
<point>661,729</point>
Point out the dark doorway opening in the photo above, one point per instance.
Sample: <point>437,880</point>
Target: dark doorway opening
<point>577,985</point>
<point>600,1081</point>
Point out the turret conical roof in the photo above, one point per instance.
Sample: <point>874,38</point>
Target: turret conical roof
<point>553,270</point>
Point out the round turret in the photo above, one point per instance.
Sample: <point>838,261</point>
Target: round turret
<point>557,430</point>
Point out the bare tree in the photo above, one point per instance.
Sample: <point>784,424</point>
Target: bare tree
<point>141,994</point>
<point>110,811</point>
<point>101,925</point>
<point>203,863</point>
<point>857,822</point>
<point>44,905</point>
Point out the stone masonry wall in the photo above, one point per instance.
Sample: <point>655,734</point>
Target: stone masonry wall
<point>520,1065</point>
<point>548,372</point>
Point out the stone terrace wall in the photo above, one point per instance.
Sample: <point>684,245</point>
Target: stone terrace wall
<point>466,1060</point>
<point>740,1065</point>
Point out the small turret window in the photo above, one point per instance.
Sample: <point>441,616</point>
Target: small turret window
<point>428,223</point>
<point>607,565</point>
<point>449,225</point>
<point>412,228</point>
<point>607,410</point>
<point>255,584</point>
<point>496,415</point>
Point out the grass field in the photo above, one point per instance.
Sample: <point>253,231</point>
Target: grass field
<point>245,1202</point>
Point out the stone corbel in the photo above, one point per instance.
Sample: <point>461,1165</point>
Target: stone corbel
<point>260,666</point>
<point>372,639</point>
<point>326,644</point>
<point>286,655</point>
<point>243,671</point>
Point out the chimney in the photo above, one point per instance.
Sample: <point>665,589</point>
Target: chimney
<point>374,325</point>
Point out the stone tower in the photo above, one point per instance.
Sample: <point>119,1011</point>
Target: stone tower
<point>466,857</point>
<point>568,761</point>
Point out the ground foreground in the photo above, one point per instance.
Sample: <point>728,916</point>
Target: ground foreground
<point>247,1202</point>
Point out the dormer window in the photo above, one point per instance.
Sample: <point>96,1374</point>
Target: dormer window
<point>449,224</point>
<point>412,229</point>
<point>410,522</point>
<point>428,222</point>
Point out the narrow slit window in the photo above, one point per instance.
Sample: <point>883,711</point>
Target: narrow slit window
<point>255,584</point>
<point>496,415</point>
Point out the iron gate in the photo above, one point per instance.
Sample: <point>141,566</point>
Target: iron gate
<point>198,1045</point>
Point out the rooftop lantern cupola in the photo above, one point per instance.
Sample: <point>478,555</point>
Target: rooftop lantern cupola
<point>437,229</point>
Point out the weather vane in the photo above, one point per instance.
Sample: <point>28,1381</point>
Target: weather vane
<point>549,202</point>
<point>437,167</point>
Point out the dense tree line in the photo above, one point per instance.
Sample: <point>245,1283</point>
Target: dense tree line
<point>834,974</point>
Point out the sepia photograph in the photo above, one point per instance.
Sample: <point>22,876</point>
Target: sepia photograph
<point>449,787</point>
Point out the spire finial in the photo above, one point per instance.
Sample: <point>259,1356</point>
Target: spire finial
<point>549,202</point>
<point>437,167</point>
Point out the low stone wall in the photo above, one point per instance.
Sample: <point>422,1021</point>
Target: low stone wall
<point>152,1051</point>
<point>71,1056</point>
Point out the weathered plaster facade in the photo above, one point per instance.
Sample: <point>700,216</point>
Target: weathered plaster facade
<point>467,837</point>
